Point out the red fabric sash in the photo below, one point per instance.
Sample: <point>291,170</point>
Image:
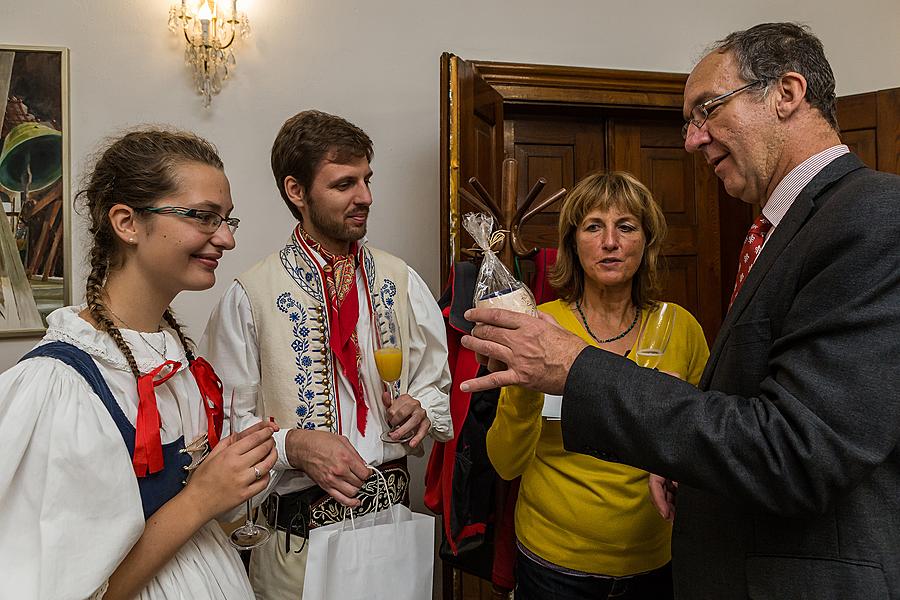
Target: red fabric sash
<point>343,314</point>
<point>344,317</point>
<point>147,442</point>
<point>211,390</point>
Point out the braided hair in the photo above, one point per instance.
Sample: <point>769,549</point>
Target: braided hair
<point>136,170</point>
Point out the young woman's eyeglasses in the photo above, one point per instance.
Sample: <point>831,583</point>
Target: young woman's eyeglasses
<point>207,220</point>
<point>701,112</point>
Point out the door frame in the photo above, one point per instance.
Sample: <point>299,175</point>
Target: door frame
<point>521,83</point>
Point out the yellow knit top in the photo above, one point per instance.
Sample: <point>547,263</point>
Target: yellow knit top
<point>574,510</point>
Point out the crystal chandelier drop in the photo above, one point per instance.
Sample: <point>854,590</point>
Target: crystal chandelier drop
<point>209,34</point>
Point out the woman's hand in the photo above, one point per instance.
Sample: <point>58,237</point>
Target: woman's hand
<point>662,494</point>
<point>228,475</point>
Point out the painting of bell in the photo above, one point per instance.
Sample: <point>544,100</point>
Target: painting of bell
<point>31,159</point>
<point>33,187</point>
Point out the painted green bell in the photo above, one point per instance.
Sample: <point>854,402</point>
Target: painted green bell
<point>33,145</point>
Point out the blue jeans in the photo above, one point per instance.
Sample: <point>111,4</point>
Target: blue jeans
<point>536,582</point>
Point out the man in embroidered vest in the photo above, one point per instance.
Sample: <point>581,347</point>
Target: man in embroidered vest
<point>296,337</point>
<point>788,456</point>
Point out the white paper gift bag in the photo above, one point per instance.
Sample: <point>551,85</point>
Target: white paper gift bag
<point>316,556</point>
<point>386,554</point>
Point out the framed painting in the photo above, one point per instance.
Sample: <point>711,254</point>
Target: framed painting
<point>35,228</point>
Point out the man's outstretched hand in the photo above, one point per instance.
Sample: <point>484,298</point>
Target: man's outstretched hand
<point>535,352</point>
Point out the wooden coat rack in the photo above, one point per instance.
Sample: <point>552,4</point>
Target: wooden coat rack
<point>505,214</point>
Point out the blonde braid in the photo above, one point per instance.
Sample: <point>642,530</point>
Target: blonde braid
<point>186,342</point>
<point>94,294</point>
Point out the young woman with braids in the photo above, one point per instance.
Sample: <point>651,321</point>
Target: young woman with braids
<point>83,514</point>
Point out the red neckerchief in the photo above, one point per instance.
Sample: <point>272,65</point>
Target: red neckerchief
<point>343,313</point>
<point>148,455</point>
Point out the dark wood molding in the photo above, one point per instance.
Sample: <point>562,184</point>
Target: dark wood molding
<point>583,85</point>
<point>444,87</point>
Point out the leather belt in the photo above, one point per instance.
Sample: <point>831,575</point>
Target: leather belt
<point>297,513</point>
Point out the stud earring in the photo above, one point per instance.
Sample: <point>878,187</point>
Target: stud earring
<point>130,240</point>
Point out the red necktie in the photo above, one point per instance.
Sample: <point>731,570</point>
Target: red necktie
<point>752,247</point>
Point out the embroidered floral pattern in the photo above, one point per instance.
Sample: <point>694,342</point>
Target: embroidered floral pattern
<point>303,271</point>
<point>298,317</point>
<point>368,262</point>
<point>388,291</point>
<point>384,301</point>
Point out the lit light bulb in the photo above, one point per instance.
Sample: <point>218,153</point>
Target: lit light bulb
<point>204,14</point>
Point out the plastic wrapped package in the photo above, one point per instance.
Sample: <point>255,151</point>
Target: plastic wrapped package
<point>495,286</point>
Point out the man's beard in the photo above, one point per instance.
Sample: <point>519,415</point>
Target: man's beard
<point>339,230</point>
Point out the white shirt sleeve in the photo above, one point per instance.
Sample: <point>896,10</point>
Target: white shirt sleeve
<point>429,382</point>
<point>66,485</point>
<point>231,346</point>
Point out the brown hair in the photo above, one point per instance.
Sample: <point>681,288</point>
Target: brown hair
<point>603,191</point>
<point>136,170</point>
<point>306,139</point>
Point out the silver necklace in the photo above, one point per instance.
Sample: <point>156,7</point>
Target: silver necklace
<point>140,334</point>
<point>612,339</point>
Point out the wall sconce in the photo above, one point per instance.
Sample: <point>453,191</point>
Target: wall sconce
<point>209,35</point>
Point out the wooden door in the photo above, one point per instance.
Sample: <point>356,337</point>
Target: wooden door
<point>554,121</point>
<point>870,125</point>
<point>471,146</point>
<point>565,145</point>
<point>562,149</point>
<point>688,193</point>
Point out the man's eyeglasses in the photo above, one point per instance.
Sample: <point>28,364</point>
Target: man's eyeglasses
<point>207,220</point>
<point>701,112</point>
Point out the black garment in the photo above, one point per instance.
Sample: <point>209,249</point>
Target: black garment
<point>537,582</point>
<point>788,456</point>
<point>472,515</point>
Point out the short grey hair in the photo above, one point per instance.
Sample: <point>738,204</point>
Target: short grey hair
<point>769,50</point>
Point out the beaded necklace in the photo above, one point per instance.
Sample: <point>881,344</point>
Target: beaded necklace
<point>612,339</point>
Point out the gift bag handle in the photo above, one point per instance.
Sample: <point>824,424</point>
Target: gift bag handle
<point>382,482</point>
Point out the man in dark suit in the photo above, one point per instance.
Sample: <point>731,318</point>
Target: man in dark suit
<point>787,456</point>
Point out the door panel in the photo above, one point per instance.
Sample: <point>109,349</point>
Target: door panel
<point>858,119</point>
<point>870,126</point>
<point>862,142</point>
<point>471,146</point>
<point>652,150</point>
<point>560,149</point>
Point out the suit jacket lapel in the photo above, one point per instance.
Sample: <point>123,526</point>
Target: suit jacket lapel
<point>794,220</point>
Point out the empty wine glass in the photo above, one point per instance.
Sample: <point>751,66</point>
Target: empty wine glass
<point>249,535</point>
<point>389,362</point>
<point>654,336</point>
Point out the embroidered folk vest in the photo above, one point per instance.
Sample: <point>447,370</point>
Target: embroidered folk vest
<point>297,369</point>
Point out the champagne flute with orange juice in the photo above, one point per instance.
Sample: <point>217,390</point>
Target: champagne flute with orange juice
<point>389,362</point>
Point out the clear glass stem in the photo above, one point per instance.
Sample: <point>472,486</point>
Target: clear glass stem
<point>249,522</point>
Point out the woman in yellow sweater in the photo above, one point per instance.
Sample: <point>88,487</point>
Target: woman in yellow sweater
<point>587,528</point>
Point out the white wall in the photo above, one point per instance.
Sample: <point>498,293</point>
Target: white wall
<point>376,63</point>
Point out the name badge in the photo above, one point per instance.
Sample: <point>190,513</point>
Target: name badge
<point>552,407</point>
